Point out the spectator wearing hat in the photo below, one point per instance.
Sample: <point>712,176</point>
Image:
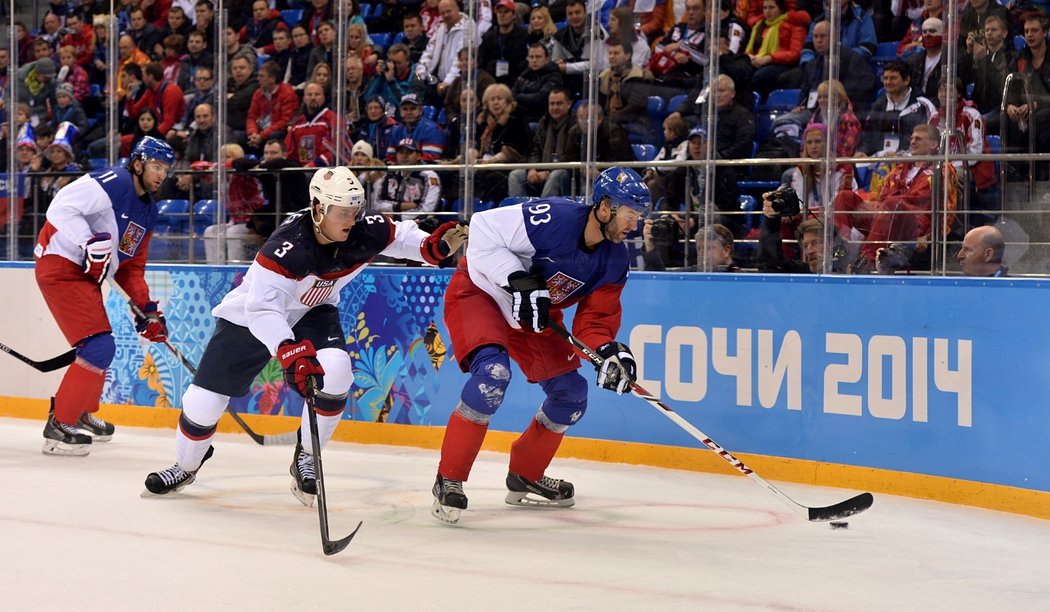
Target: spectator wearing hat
<point>67,109</point>
<point>63,159</point>
<point>375,127</point>
<point>38,92</point>
<point>425,132</point>
<point>686,186</point>
<point>407,190</point>
<point>504,48</point>
<point>362,155</point>
<point>273,106</point>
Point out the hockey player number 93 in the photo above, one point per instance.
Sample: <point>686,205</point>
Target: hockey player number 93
<point>538,214</point>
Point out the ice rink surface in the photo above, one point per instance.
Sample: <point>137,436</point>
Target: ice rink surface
<point>77,536</point>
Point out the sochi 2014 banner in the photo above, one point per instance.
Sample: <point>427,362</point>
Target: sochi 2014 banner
<point>936,376</point>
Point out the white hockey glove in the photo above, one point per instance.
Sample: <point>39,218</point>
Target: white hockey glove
<point>618,368</point>
<point>531,300</point>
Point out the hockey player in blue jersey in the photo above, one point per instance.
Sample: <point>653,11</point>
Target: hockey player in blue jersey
<point>524,265</point>
<point>98,227</point>
<point>286,308</point>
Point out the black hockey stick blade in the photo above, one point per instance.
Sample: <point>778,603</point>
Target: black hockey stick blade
<point>853,505</point>
<point>48,365</point>
<point>331,547</point>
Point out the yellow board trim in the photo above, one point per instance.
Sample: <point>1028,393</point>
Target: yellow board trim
<point>922,486</point>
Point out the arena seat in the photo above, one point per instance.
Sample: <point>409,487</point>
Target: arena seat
<point>644,152</point>
<point>292,16</point>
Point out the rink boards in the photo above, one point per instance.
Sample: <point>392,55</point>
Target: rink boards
<point>918,386</point>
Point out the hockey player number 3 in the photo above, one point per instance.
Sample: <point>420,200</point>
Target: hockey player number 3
<point>283,249</point>
<point>370,219</point>
<point>538,214</point>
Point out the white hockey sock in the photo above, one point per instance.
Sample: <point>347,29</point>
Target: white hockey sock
<point>188,451</point>
<point>325,429</point>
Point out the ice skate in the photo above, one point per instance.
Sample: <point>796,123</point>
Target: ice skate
<point>100,430</point>
<point>62,439</point>
<point>449,500</point>
<point>173,479</point>
<point>547,492</point>
<point>304,479</point>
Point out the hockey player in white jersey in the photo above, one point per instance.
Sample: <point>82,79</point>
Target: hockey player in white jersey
<point>286,307</point>
<point>524,265</point>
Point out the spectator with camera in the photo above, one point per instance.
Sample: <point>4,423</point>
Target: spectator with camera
<point>987,62</point>
<point>662,237</point>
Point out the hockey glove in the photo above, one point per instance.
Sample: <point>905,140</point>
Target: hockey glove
<point>444,242</point>
<point>531,300</point>
<point>299,361</point>
<point>98,254</point>
<point>618,368</point>
<point>152,327</point>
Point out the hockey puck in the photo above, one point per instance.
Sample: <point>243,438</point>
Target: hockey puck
<point>839,525</point>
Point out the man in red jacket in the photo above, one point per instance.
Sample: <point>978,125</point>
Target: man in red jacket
<point>162,96</point>
<point>273,106</point>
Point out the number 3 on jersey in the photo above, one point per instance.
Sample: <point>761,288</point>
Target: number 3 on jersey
<point>282,250</point>
<point>539,214</point>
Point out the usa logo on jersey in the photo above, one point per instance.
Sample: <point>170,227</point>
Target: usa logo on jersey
<point>318,293</point>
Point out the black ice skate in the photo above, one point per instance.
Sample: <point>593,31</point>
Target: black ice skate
<point>449,500</point>
<point>548,492</point>
<point>304,479</point>
<point>62,439</point>
<point>173,479</point>
<point>100,430</point>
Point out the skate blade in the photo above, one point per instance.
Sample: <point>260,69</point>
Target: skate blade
<point>527,500</point>
<point>61,449</point>
<point>445,514</point>
<point>102,438</point>
<point>304,498</point>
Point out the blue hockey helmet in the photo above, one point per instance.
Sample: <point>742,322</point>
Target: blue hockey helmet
<point>624,187</point>
<point>151,147</point>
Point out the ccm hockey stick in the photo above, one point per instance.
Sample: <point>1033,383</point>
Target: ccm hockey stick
<point>48,365</point>
<point>284,439</point>
<point>328,545</point>
<point>849,507</point>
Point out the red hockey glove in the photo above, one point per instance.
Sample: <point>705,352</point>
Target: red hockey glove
<point>531,301</point>
<point>98,254</point>
<point>299,361</point>
<point>444,242</point>
<point>152,327</point>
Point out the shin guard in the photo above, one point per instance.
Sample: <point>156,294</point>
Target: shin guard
<point>329,410</point>
<point>191,443</point>
<point>460,447</point>
<point>533,451</point>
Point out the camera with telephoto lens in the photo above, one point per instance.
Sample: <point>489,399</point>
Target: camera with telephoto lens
<point>785,201</point>
<point>662,231</point>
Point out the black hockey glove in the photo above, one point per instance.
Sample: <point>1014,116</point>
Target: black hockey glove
<point>531,300</point>
<point>618,368</point>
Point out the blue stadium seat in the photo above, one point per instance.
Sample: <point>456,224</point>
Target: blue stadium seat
<point>1019,42</point>
<point>429,112</point>
<point>675,102</point>
<point>995,146</point>
<point>172,216</point>
<point>886,52</point>
<point>863,175</point>
<point>97,163</point>
<point>655,109</point>
<point>763,125</point>
<point>399,37</point>
<point>442,119</point>
<point>380,39</point>
<point>292,16</point>
<point>755,101</point>
<point>644,152</point>
<point>782,99</point>
<point>203,215</point>
<point>748,204</point>
<point>171,239</point>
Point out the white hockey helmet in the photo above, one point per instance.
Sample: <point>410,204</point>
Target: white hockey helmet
<point>336,186</point>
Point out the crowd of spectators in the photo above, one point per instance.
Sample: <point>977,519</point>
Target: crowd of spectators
<point>404,100</point>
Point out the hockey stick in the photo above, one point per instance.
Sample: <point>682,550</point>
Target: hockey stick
<point>851,506</point>
<point>329,546</point>
<point>48,365</point>
<point>284,439</point>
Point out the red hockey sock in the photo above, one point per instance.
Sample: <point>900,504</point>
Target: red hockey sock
<point>79,392</point>
<point>460,447</point>
<point>531,453</point>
